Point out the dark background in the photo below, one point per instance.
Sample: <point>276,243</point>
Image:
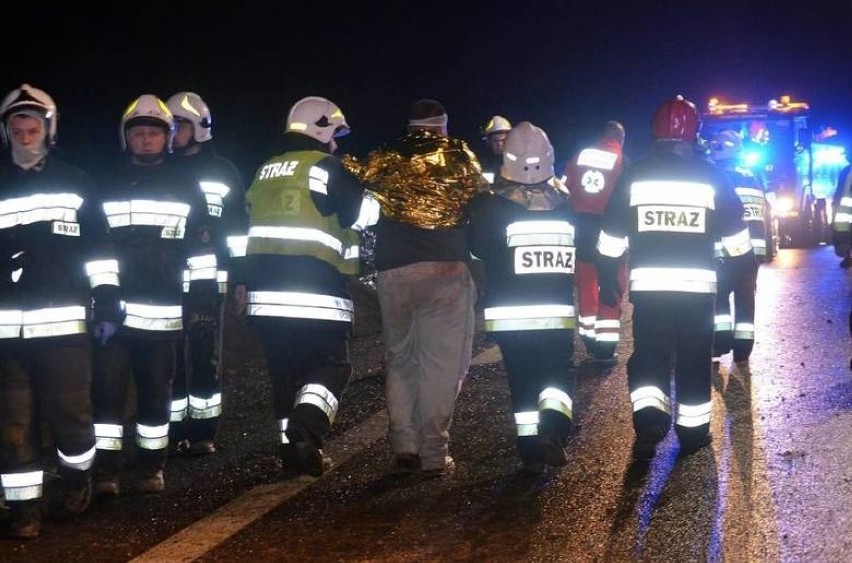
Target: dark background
<point>566,66</point>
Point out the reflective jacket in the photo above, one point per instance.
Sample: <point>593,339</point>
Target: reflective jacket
<point>755,207</point>
<point>669,208</point>
<point>590,178</point>
<point>527,245</point>
<point>159,226</point>
<point>842,205</point>
<point>302,205</point>
<point>54,260</point>
<point>224,189</point>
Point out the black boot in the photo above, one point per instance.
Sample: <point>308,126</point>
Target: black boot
<point>26,519</point>
<point>76,494</point>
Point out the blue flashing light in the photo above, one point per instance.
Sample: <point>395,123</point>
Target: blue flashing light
<point>752,159</point>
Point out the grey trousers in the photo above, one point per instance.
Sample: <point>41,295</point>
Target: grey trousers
<point>427,330</point>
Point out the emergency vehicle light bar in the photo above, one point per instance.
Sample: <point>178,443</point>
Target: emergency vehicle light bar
<point>782,105</point>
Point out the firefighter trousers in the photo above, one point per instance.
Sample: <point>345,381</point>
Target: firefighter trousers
<point>151,364</point>
<point>671,330</point>
<point>309,369</point>
<point>50,383</point>
<point>197,388</point>
<point>540,370</point>
<point>599,324</point>
<point>734,330</point>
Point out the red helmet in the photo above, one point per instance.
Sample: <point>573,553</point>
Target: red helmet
<point>676,119</point>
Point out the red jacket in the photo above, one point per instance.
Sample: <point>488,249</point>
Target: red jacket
<point>591,176</point>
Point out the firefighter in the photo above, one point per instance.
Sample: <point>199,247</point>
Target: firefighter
<point>54,264</point>
<point>738,274</point>
<point>842,206</point>
<point>523,231</point>
<point>590,178</point>
<point>159,226</point>
<point>301,248</point>
<point>197,391</point>
<point>669,208</point>
<point>494,134</point>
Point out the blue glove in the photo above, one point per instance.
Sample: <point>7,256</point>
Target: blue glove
<point>103,331</point>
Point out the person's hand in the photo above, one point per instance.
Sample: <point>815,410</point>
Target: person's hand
<point>103,331</point>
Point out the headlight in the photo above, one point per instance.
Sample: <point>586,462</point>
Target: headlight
<point>784,205</point>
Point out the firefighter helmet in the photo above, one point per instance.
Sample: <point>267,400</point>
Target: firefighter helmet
<point>28,98</point>
<point>528,157</point>
<point>676,119</point>
<point>726,145</point>
<point>318,118</point>
<point>190,106</point>
<point>496,124</point>
<point>147,109</point>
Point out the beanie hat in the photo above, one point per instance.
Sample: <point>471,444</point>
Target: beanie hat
<point>427,113</point>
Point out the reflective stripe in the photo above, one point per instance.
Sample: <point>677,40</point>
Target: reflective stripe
<point>529,317</point>
<point>723,322</point>
<point>54,321</point>
<point>282,427</point>
<point>737,244</point>
<point>81,462</point>
<point>202,267</point>
<point>489,177</point>
<point>222,280</point>
<point>237,245</point>
<point>171,214</point>
<point>319,396</point>
<point>179,410</point>
<point>22,486</point>
<point>299,305</point>
<point>153,317</point>
<point>109,436</point>
<point>611,246</point>
<point>691,416</point>
<point>201,408</point>
<point>649,396</point>
<point>102,272</point>
<point>526,423</point>
<point>759,246</point>
<point>39,207</point>
<point>306,235</point>
<point>606,330</point>
<point>527,233</point>
<point>597,158</point>
<point>318,180</point>
<point>752,193</point>
<point>744,331</point>
<point>672,192</point>
<point>557,400</point>
<point>369,213</point>
<point>214,193</point>
<point>691,280</point>
<point>586,326</point>
<point>152,437</point>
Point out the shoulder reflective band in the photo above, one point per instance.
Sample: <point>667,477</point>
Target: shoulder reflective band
<point>102,272</point>
<point>596,158</point>
<point>170,214</point>
<point>299,305</point>
<point>530,317</point>
<point>305,235</point>
<point>214,193</point>
<point>737,244</point>
<point>369,213</point>
<point>526,423</point>
<point>143,316</point>
<point>611,246</point>
<point>691,416</point>
<point>689,280</point>
<point>22,486</point>
<point>672,193</point>
<point>39,207</point>
<point>527,233</point>
<point>54,321</point>
<point>201,408</point>
<point>649,396</point>
<point>555,399</point>
<point>152,437</point>
<point>319,396</point>
<point>82,462</point>
<point>318,180</point>
<point>109,436</point>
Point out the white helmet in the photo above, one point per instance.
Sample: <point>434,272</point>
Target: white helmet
<point>28,98</point>
<point>190,106</point>
<point>147,109</point>
<point>726,145</point>
<point>318,118</point>
<point>528,156</point>
<point>496,124</point>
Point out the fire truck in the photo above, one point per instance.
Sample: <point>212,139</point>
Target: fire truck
<point>798,168</point>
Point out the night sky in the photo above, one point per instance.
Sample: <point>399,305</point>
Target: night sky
<point>566,66</point>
